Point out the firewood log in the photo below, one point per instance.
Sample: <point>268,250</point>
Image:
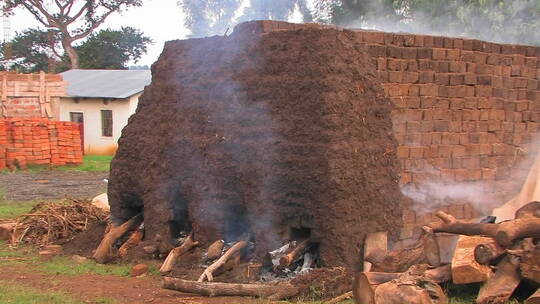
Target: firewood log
<point>440,274</point>
<point>287,259</point>
<point>208,272</point>
<point>104,250</point>
<point>529,261</point>
<point>504,233</point>
<point>374,242</point>
<point>211,289</point>
<point>530,210</point>
<point>215,250</point>
<point>425,250</point>
<point>534,298</point>
<point>487,252</point>
<point>133,240</point>
<point>500,286</point>
<point>340,298</point>
<point>365,283</point>
<point>409,289</point>
<point>465,268</point>
<point>177,252</point>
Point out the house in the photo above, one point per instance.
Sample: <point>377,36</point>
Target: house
<point>102,101</point>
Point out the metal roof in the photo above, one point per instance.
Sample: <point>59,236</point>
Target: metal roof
<point>106,83</point>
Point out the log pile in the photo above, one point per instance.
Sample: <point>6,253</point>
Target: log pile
<point>499,256</point>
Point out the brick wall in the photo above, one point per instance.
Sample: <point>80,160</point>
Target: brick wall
<point>38,141</point>
<point>465,112</point>
<point>30,95</point>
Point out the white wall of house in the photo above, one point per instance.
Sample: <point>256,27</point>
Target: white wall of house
<point>94,141</point>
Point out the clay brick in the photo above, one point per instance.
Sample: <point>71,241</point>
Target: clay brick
<point>426,65</point>
<point>394,52</point>
<point>470,79</point>
<point>457,67</point>
<point>442,79</point>
<point>396,77</point>
<point>484,91</point>
<point>396,64</point>
<point>443,67</point>
<point>414,90</point>
<point>531,62</point>
<point>410,77</point>
<point>408,53</point>
<point>377,50</point>
<point>426,77</point>
<point>373,37</point>
<point>438,54</point>
<point>424,53</point>
<point>493,59</point>
<point>453,54</point>
<point>412,66</point>
<point>480,58</point>
<point>429,90</point>
<point>457,79</point>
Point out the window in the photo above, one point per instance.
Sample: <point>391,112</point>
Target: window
<point>76,117</point>
<point>106,123</point>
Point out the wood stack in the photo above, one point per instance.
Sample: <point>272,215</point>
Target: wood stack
<point>499,256</point>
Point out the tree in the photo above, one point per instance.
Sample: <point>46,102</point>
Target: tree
<point>211,17</point>
<point>31,50</point>
<point>73,19</point>
<point>112,49</point>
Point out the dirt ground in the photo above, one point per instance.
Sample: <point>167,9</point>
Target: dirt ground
<point>125,290</point>
<point>24,186</point>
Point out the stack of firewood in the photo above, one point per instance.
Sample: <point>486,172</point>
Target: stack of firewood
<point>499,256</point>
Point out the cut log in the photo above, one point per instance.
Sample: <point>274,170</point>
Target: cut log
<point>521,228</point>
<point>409,289</point>
<point>485,253</point>
<point>375,242</point>
<point>502,284</point>
<point>440,274</point>
<point>104,250</point>
<point>449,224</point>
<point>208,272</point>
<point>6,231</point>
<point>530,210</point>
<point>287,259</point>
<point>340,298</point>
<point>534,299</point>
<point>215,250</point>
<point>177,252</point>
<point>530,265</point>
<point>365,283</point>
<point>504,233</point>
<point>425,250</point>
<point>133,240</point>
<point>211,289</point>
<point>465,268</point>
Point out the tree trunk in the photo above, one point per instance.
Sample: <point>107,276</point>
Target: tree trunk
<point>465,269</point>
<point>502,284</point>
<point>177,252</point>
<point>211,289</point>
<point>71,52</point>
<point>221,261</point>
<point>534,299</point>
<point>105,248</point>
<point>485,253</point>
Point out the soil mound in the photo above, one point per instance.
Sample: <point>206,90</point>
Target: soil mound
<point>272,137</point>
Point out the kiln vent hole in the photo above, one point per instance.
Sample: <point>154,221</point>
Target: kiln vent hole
<point>179,223</point>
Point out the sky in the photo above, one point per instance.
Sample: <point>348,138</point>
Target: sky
<point>161,20</point>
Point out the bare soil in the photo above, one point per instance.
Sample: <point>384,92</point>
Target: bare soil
<point>25,186</point>
<point>125,290</point>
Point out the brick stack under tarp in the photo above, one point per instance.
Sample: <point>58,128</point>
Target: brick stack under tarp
<point>38,141</point>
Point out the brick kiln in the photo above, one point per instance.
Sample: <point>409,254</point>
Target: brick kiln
<point>279,136</point>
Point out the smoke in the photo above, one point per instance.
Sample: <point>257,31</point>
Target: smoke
<point>483,196</point>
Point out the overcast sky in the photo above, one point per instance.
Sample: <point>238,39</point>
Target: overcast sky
<point>162,20</point>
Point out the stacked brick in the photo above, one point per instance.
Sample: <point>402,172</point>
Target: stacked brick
<point>38,141</point>
<point>465,111</point>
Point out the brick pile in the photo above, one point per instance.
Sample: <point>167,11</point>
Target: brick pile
<point>38,141</point>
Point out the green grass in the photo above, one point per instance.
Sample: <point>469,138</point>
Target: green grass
<point>12,209</point>
<point>13,294</point>
<point>65,266</point>
<point>91,163</point>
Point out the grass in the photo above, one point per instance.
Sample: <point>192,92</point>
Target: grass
<point>12,209</point>
<point>10,293</point>
<point>65,266</point>
<point>91,163</point>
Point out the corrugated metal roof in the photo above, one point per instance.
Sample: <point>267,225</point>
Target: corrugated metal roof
<point>106,83</point>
